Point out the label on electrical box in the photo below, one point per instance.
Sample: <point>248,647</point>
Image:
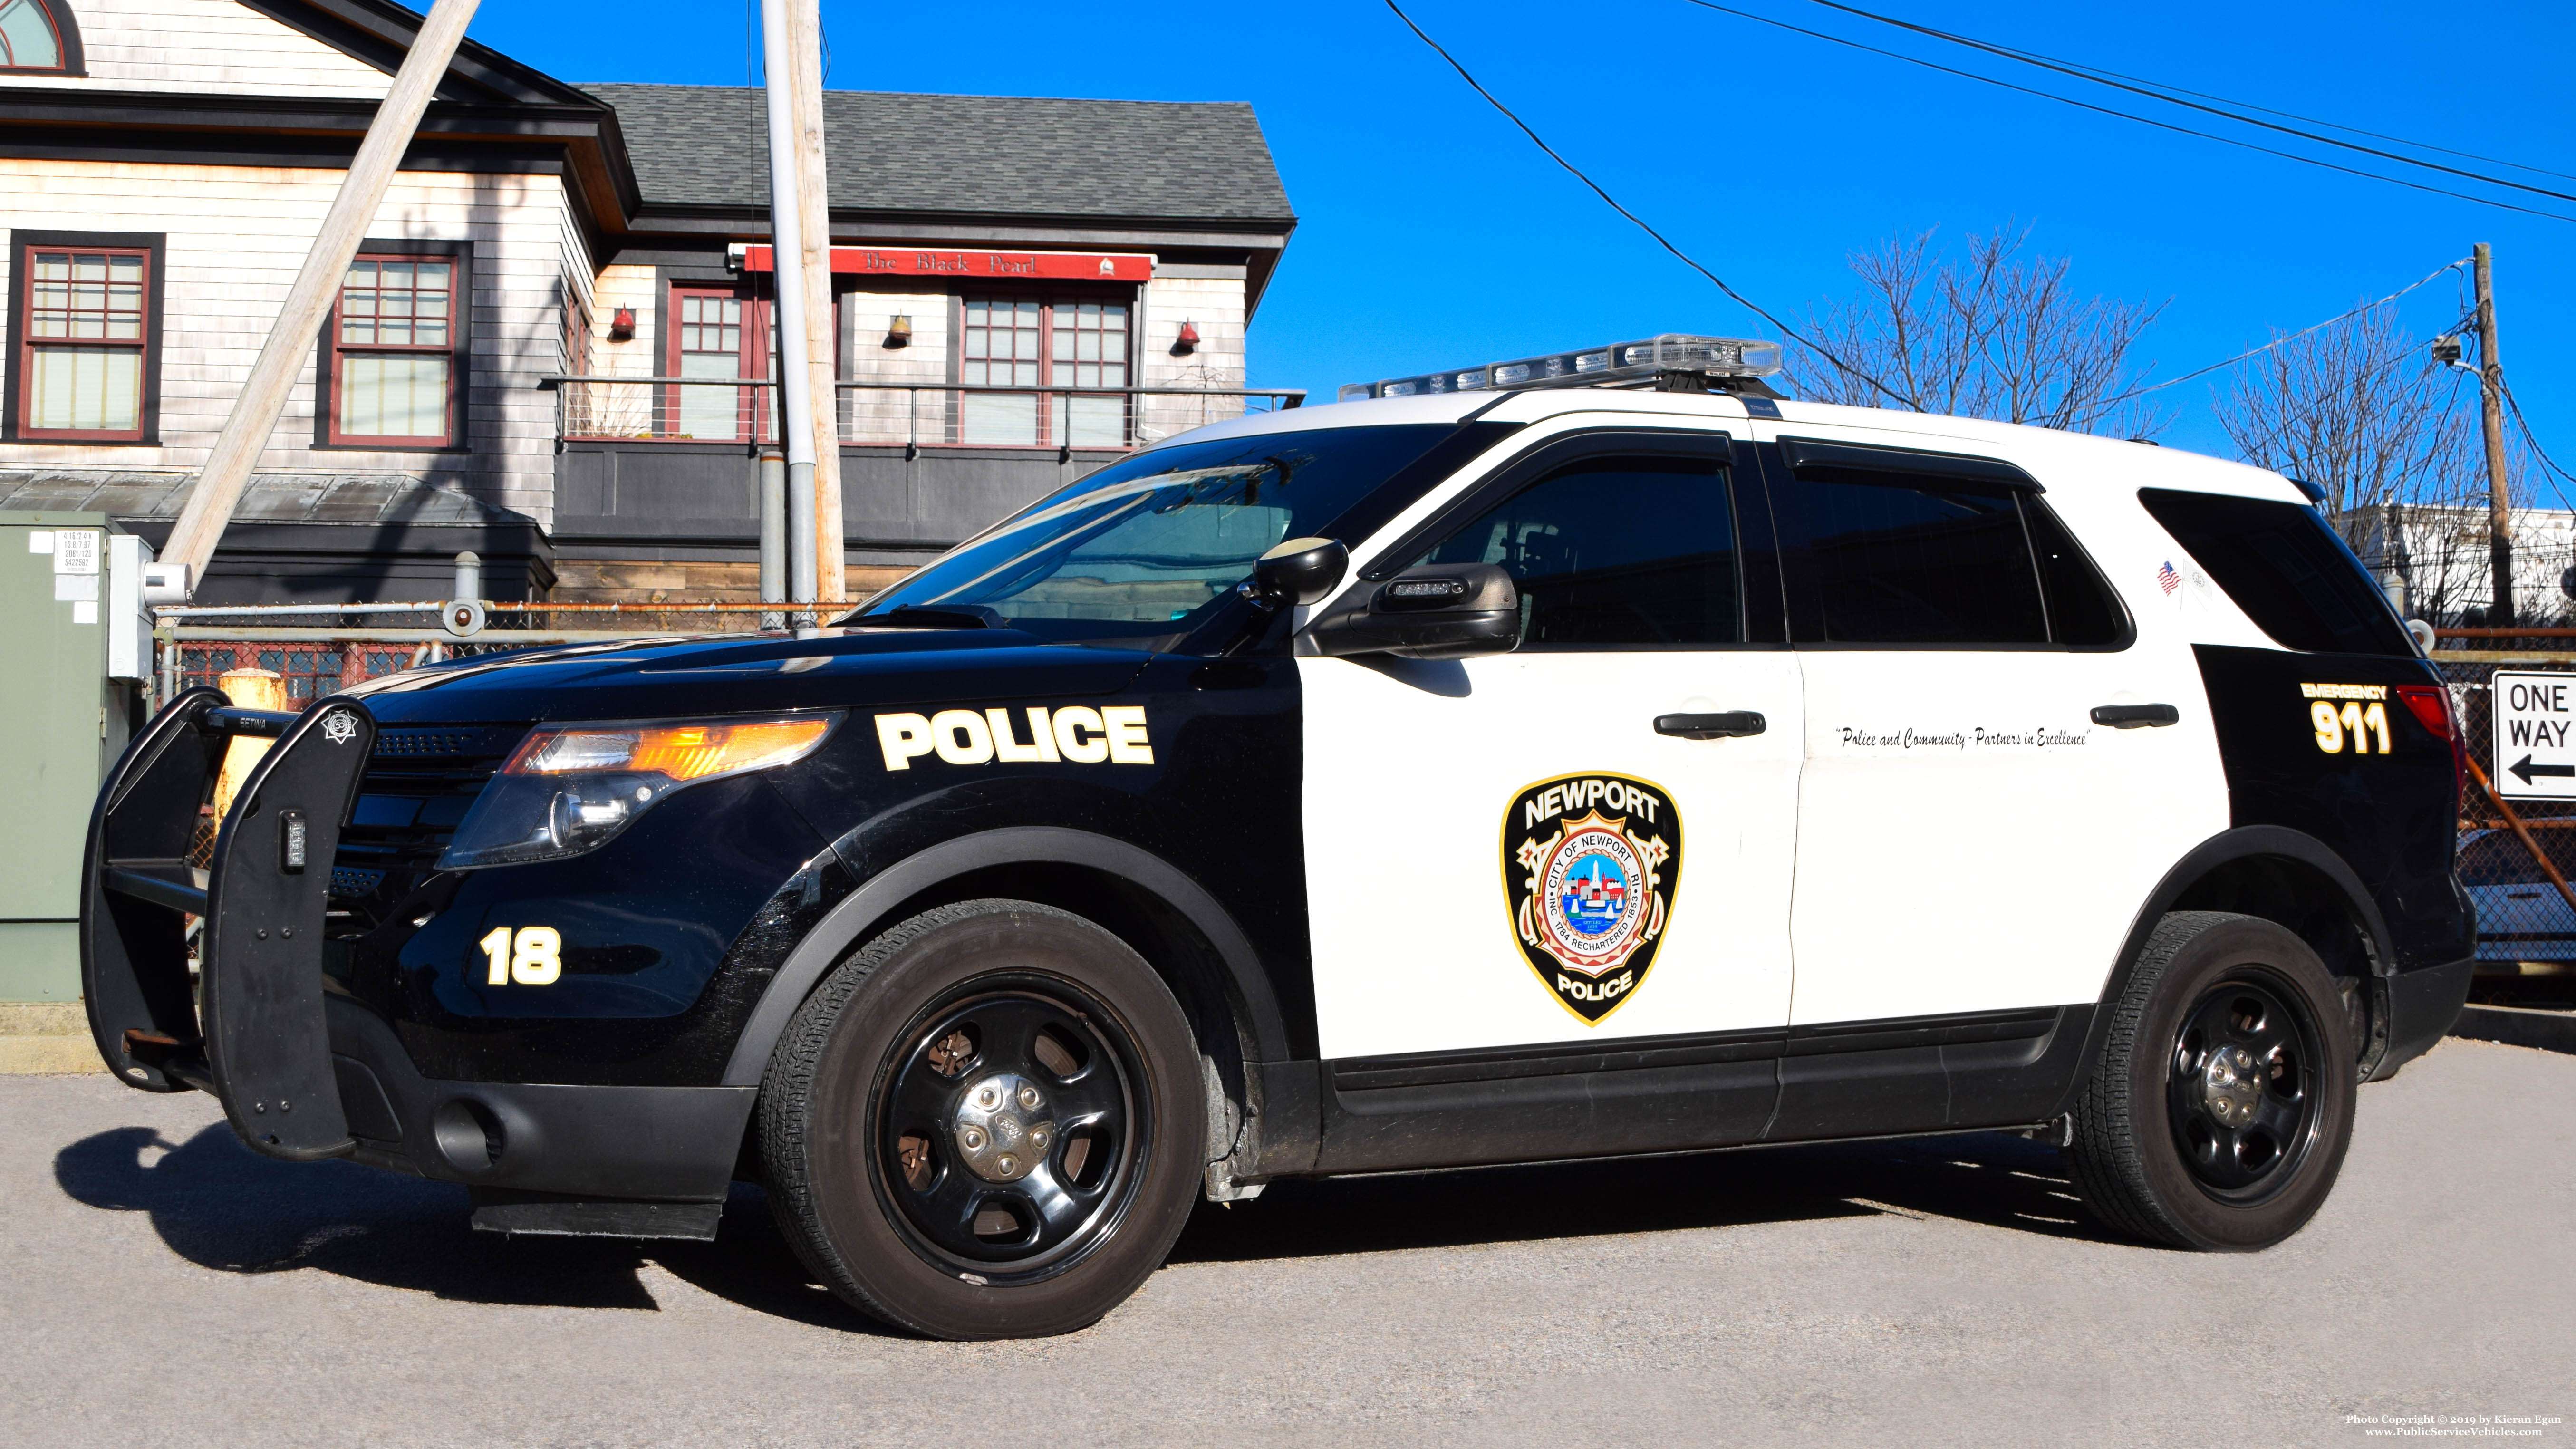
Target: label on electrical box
<point>76,551</point>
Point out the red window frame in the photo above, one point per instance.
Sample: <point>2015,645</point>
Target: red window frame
<point>451,347</point>
<point>685,322</point>
<point>1057,376</point>
<point>34,293</point>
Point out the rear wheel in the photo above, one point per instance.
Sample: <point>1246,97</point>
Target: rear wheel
<point>982,1125</point>
<point>2219,1114</point>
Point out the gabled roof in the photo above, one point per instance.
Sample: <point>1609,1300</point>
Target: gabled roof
<point>937,155</point>
<point>380,33</point>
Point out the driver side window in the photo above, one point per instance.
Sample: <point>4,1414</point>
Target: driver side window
<point>1615,551</point>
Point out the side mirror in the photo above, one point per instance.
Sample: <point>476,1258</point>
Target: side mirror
<point>1436,611</point>
<point>1300,571</point>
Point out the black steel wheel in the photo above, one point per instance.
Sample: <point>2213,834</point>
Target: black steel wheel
<point>986,1123</point>
<point>2219,1112</point>
<point>1007,1132</point>
<point>2239,1091</point>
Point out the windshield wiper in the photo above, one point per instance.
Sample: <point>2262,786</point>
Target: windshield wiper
<point>949,616</point>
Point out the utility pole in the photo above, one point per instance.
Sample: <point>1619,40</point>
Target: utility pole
<point>787,277</point>
<point>371,172</point>
<point>814,253</point>
<point>2500,609</point>
<point>801,269</point>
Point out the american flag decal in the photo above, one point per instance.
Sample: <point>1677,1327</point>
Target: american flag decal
<point>2167,579</point>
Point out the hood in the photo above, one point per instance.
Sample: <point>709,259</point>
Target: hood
<point>749,673</point>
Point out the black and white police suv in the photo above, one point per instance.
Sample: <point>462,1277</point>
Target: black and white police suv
<point>1501,765</point>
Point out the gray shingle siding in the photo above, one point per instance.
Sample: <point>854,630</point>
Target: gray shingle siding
<point>972,155</point>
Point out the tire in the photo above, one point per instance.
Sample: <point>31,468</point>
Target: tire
<point>2219,1113</point>
<point>985,1124</point>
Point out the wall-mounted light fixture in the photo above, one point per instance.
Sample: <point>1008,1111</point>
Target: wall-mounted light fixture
<point>899,332</point>
<point>1188,341</point>
<point>621,325</point>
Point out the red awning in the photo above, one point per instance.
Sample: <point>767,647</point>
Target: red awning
<point>976,266</point>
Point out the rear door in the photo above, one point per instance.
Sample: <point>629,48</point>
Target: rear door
<point>1505,852</point>
<point>1970,839</point>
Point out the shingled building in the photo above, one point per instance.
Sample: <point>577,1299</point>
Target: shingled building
<point>555,345</point>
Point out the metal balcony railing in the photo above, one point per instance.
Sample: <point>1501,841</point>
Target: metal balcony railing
<point>907,415</point>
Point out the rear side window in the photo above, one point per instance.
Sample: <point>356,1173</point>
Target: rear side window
<point>2285,568</point>
<point>1615,551</point>
<point>1899,559</point>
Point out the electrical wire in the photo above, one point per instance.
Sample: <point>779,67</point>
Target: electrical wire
<point>2142,88</point>
<point>2515,405</point>
<point>1640,222</point>
<point>2127,115</point>
<point>2428,279</point>
<point>2288,115</point>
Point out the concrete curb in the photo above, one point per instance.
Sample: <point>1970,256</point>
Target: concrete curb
<point>45,1038</point>
<point>2522,1026</point>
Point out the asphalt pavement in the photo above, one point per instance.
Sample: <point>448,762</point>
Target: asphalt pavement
<point>159,1285</point>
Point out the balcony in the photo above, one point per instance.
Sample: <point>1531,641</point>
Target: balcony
<point>663,467</point>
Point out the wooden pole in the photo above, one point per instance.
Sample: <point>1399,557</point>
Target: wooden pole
<point>787,278</point>
<point>2500,610</point>
<point>371,172</point>
<point>813,244</point>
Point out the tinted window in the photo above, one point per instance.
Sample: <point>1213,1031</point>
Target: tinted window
<point>1145,546</point>
<point>2082,610</point>
<point>2289,572</point>
<point>1615,551</point>
<point>1903,559</point>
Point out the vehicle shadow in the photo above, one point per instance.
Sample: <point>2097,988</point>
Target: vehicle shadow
<point>1997,1179</point>
<point>219,1206</point>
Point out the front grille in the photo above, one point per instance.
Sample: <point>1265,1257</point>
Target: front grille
<point>420,781</point>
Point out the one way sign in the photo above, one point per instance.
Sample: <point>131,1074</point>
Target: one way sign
<point>2535,735</point>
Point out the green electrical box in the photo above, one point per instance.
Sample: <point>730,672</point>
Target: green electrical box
<point>75,662</point>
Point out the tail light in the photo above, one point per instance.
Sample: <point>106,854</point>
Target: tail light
<point>2431,705</point>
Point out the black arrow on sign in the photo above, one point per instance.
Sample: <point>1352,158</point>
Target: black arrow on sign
<point>2526,769</point>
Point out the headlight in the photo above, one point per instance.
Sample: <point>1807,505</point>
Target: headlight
<point>571,788</point>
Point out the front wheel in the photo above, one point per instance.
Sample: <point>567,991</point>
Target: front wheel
<point>983,1125</point>
<point>2219,1113</point>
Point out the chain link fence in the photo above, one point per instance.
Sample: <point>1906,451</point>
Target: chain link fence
<point>2515,856</point>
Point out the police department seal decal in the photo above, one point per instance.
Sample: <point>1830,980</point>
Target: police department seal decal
<point>1590,864</point>
<point>339,727</point>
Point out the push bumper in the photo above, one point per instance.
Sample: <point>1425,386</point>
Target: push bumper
<point>252,1032</point>
<point>304,1074</point>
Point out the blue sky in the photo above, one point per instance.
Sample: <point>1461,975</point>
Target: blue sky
<point>1432,234</point>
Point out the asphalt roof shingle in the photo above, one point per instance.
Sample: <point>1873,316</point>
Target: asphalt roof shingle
<point>984,155</point>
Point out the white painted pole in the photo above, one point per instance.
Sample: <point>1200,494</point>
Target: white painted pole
<point>786,226</point>
<point>246,431</point>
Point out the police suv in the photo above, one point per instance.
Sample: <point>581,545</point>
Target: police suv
<point>1581,755</point>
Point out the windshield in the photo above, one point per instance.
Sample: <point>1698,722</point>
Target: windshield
<point>1149,546</point>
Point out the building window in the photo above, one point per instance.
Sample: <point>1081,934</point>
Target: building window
<point>38,35</point>
<point>396,350</point>
<point>1066,346</point>
<point>87,332</point>
<point>716,335</point>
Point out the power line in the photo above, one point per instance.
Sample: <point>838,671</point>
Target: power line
<point>2143,88</point>
<point>1640,222</point>
<point>2287,115</point>
<point>2514,403</point>
<point>2109,403</point>
<point>2126,115</point>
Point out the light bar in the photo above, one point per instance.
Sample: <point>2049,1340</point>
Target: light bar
<point>1618,362</point>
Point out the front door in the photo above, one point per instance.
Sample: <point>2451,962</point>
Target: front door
<point>1508,851</point>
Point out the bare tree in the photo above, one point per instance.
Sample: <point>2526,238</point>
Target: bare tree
<point>2360,411</point>
<point>1988,334</point>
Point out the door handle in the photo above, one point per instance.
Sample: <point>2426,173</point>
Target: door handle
<point>1732,724</point>
<point>2135,716</point>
